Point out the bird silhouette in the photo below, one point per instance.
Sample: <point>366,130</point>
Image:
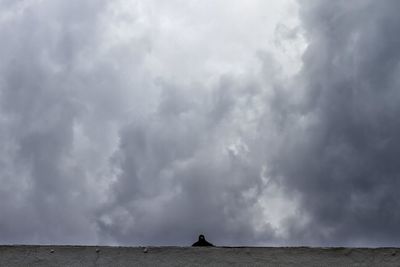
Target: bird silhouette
<point>202,242</point>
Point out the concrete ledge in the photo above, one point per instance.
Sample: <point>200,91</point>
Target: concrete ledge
<point>187,256</point>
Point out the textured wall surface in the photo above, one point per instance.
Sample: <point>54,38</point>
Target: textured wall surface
<point>188,256</point>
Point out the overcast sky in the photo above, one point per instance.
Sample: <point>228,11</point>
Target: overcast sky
<point>134,122</point>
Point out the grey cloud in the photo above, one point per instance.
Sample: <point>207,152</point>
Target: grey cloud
<point>177,176</point>
<point>47,195</point>
<point>341,149</point>
<point>101,143</point>
<point>86,157</point>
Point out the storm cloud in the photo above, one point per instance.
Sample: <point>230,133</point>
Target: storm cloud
<point>342,151</point>
<point>257,123</point>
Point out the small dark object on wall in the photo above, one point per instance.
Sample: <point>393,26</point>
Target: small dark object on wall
<point>202,242</point>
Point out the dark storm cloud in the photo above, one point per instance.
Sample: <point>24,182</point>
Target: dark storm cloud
<point>341,147</point>
<point>119,126</point>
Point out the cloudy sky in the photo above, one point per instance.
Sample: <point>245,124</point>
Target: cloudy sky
<point>134,122</point>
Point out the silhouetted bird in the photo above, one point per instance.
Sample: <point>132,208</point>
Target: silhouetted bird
<point>202,242</point>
